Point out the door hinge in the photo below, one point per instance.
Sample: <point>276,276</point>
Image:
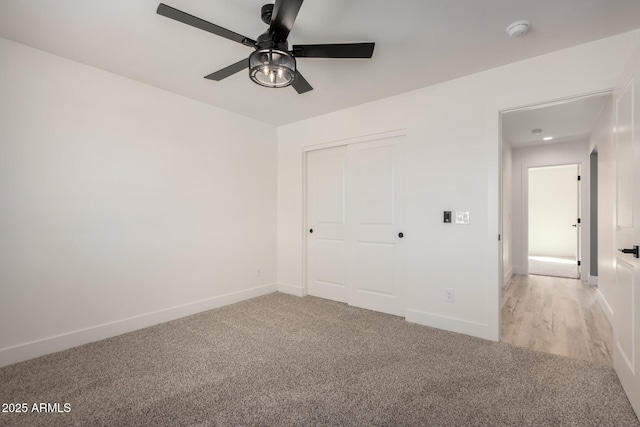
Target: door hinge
<point>579,178</point>
<point>579,263</point>
<point>498,237</point>
<point>578,220</point>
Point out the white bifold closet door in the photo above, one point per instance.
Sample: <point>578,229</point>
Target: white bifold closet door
<point>355,218</point>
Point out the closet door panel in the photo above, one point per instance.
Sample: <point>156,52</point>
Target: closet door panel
<point>375,203</point>
<point>326,221</point>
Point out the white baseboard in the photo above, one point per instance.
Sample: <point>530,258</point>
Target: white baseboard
<point>286,288</point>
<point>453,324</point>
<point>30,350</point>
<point>519,270</point>
<point>608,311</point>
<point>507,276</point>
<point>593,280</point>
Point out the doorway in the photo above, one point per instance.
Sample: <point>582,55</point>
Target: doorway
<point>554,221</point>
<point>549,310</point>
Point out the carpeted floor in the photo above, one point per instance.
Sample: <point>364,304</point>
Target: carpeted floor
<point>282,360</point>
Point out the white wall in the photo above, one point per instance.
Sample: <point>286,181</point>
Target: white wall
<point>553,209</point>
<point>602,137</point>
<point>453,164</point>
<point>122,205</point>
<point>507,228</point>
<point>547,155</point>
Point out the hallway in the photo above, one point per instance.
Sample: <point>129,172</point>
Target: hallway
<point>556,315</point>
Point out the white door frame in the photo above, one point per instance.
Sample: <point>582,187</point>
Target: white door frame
<point>330,144</point>
<point>501,109</point>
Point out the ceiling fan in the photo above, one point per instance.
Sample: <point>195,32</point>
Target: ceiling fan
<point>272,64</point>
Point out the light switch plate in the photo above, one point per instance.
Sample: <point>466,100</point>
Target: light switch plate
<point>462,217</point>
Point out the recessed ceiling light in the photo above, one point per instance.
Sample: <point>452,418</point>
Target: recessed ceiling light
<point>547,138</point>
<point>518,28</point>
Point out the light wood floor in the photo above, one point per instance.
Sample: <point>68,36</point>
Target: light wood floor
<point>556,315</point>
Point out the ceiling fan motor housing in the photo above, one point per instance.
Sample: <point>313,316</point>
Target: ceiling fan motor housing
<point>266,12</point>
<point>267,41</point>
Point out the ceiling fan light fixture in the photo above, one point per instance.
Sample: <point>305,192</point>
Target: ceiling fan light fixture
<point>272,67</point>
<point>272,64</point>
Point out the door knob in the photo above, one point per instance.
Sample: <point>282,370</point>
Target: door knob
<point>401,235</point>
<point>311,230</point>
<point>574,225</point>
<point>634,251</point>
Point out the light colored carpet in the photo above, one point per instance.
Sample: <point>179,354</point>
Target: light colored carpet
<point>550,266</point>
<point>282,360</point>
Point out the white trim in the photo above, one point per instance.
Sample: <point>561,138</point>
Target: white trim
<point>30,350</point>
<point>517,269</point>
<point>593,280</point>
<point>558,101</point>
<point>604,304</point>
<point>453,324</point>
<point>507,276</point>
<point>355,140</point>
<point>296,290</point>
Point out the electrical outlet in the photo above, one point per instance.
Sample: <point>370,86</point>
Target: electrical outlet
<point>448,295</point>
<point>258,271</point>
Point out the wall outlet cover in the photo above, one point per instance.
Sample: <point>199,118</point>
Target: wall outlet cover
<point>449,295</point>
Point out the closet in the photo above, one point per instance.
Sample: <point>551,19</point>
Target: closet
<point>355,224</point>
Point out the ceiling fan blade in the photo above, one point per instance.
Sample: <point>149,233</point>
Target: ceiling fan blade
<point>194,21</point>
<point>341,50</point>
<point>228,71</point>
<point>300,84</point>
<point>283,16</point>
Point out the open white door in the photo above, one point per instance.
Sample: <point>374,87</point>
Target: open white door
<point>626,328</point>
<point>554,224</point>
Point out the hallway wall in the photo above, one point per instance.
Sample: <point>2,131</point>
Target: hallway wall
<point>602,138</point>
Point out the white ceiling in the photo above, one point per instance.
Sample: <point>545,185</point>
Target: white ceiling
<point>418,43</point>
<point>563,121</point>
